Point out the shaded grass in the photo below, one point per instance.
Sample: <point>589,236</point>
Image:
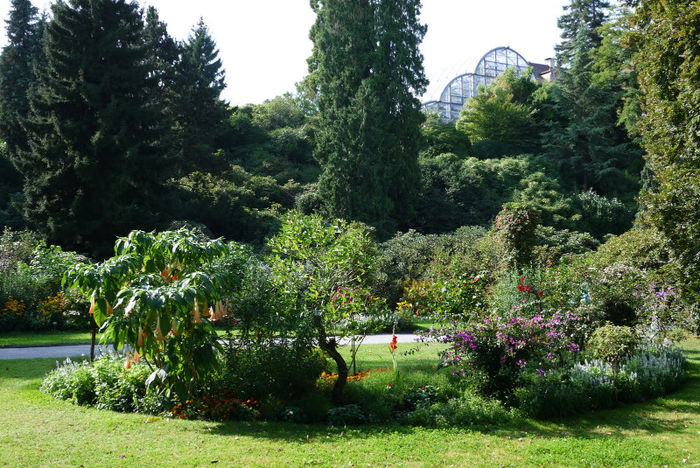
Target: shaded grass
<point>39,431</point>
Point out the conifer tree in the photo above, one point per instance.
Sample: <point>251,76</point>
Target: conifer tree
<point>162,56</point>
<point>17,76</point>
<point>365,72</point>
<point>94,167</point>
<point>582,17</point>
<point>589,148</point>
<point>198,110</point>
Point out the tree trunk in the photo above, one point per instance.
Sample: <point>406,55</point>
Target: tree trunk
<point>93,331</point>
<point>329,346</point>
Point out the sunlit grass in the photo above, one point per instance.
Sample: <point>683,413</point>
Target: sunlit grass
<point>37,430</point>
<point>48,338</point>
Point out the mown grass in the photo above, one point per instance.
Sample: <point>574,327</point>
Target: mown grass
<point>51,338</point>
<point>48,338</point>
<point>37,430</point>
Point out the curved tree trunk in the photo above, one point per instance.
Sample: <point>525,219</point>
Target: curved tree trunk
<point>330,346</point>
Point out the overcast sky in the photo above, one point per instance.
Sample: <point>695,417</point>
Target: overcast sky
<point>264,44</point>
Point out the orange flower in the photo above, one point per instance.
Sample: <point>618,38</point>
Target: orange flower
<point>159,334</point>
<point>195,311</point>
<point>139,340</point>
<point>127,364</point>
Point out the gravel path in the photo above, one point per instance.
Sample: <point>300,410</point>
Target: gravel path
<point>80,350</point>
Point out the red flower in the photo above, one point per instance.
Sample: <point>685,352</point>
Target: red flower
<point>522,279</point>
<point>521,287</point>
<point>540,293</point>
<point>527,288</point>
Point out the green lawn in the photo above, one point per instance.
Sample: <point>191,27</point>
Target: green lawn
<point>37,430</point>
<point>49,338</point>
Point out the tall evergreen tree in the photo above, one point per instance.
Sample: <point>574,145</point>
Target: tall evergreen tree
<point>17,62</point>
<point>94,166</point>
<point>365,72</point>
<point>162,56</point>
<point>582,17</point>
<point>17,76</point>
<point>200,114</point>
<point>589,148</point>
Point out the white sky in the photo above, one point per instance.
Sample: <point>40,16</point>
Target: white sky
<point>264,44</point>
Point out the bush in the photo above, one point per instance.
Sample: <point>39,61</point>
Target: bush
<point>74,381</point>
<point>497,352</point>
<point>31,295</point>
<point>614,292</point>
<point>263,370</point>
<point>516,225</point>
<point>554,245</point>
<point>600,215</point>
<point>467,410</point>
<point>348,415</point>
<point>107,384</point>
<point>612,343</point>
<point>592,385</point>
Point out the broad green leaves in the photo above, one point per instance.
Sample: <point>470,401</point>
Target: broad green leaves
<point>158,295</point>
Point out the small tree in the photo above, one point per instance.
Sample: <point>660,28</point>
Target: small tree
<point>158,295</point>
<point>516,225</point>
<point>324,267</point>
<point>612,344</point>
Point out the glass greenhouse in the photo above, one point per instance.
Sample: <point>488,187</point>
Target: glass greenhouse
<point>492,64</point>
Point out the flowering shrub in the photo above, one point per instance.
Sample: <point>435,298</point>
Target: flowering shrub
<point>219,406</point>
<point>516,225</point>
<point>662,313</point>
<point>588,385</point>
<point>452,297</point>
<point>328,378</point>
<point>498,351</point>
<point>106,384</point>
<point>612,343</point>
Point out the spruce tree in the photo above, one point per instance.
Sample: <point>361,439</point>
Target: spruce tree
<point>162,56</point>
<point>582,17</point>
<point>365,72</point>
<point>94,166</point>
<point>586,143</point>
<point>200,114</point>
<point>17,62</point>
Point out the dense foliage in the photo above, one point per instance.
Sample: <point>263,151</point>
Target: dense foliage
<point>524,250</point>
<point>365,71</point>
